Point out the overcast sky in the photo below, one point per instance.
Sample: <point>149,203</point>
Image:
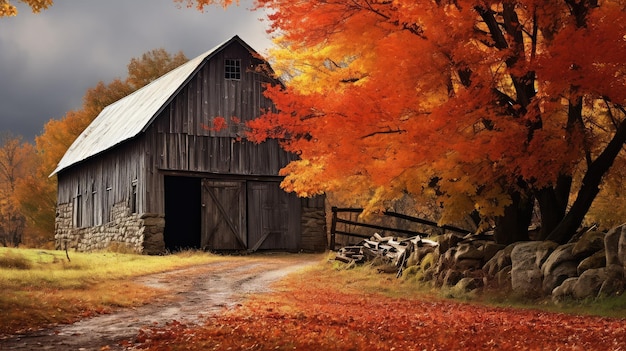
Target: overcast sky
<point>49,60</point>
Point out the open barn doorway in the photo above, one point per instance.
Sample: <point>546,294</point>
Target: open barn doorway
<point>182,213</point>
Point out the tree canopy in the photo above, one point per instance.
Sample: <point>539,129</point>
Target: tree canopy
<point>479,106</point>
<point>7,8</point>
<point>16,161</point>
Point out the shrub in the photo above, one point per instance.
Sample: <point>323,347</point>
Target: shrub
<point>14,260</point>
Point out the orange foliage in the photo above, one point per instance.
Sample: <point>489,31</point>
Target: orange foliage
<point>480,95</point>
<point>8,9</point>
<point>17,161</point>
<point>310,315</point>
<point>201,4</point>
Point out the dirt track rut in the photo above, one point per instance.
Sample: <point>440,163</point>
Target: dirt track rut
<point>192,293</point>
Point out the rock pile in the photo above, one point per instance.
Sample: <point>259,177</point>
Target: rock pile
<point>592,266</point>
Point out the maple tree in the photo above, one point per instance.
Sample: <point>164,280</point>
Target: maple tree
<point>36,194</point>
<point>8,9</point>
<point>479,106</point>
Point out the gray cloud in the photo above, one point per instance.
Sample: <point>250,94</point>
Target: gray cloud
<point>49,60</point>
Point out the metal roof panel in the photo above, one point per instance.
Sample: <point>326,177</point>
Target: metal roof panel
<point>129,116</point>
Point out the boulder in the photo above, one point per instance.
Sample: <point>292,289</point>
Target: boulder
<point>565,290</point>
<point>561,254</point>
<point>446,261</point>
<point>611,245</point>
<point>500,260</point>
<point>524,255</point>
<point>621,247</point>
<point>491,267</point>
<point>469,284</point>
<point>468,264</point>
<point>597,260</point>
<point>559,274</point>
<point>452,277</point>
<point>544,250</point>
<point>490,249</point>
<point>527,282</point>
<point>503,278</point>
<point>468,251</point>
<point>428,261</point>
<point>589,283</point>
<point>589,243</point>
<point>615,282</point>
<point>418,254</point>
<point>526,276</point>
<point>447,241</point>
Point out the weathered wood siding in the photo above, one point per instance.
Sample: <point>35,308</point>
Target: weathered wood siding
<point>95,185</point>
<point>181,138</point>
<point>181,142</point>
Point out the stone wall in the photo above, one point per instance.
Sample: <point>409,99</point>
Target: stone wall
<point>313,226</point>
<point>592,266</point>
<point>142,233</point>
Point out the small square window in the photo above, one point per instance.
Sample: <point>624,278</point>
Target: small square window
<point>232,69</point>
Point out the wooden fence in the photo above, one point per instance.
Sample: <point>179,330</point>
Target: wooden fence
<point>349,224</point>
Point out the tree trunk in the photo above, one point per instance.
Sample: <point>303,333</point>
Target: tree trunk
<point>590,188</point>
<point>553,205</point>
<point>513,226</point>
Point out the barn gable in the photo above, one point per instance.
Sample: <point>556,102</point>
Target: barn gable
<point>150,172</point>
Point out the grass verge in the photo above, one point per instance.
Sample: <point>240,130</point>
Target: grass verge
<point>42,287</point>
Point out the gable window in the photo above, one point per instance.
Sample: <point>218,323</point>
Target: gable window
<point>232,69</point>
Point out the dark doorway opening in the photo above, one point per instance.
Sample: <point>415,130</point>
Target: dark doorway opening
<point>182,213</point>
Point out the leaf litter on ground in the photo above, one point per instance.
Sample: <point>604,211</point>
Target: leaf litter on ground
<point>319,309</point>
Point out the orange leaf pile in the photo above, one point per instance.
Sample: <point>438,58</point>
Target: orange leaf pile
<point>312,317</point>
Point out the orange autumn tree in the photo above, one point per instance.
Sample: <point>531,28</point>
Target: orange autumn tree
<point>478,105</point>
<point>16,161</point>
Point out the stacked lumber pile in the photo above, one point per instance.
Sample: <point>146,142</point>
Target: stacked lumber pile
<point>388,250</point>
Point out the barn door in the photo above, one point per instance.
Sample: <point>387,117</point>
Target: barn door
<point>273,217</point>
<point>223,215</point>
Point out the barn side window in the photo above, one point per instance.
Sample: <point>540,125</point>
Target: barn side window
<point>77,216</point>
<point>133,197</point>
<point>95,205</point>
<point>232,69</point>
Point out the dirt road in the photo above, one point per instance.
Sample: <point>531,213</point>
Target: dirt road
<point>192,293</point>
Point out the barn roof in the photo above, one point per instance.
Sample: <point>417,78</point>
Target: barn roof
<point>131,115</point>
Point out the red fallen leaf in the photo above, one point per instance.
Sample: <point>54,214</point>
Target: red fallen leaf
<point>317,317</point>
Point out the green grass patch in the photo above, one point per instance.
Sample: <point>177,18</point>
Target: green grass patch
<point>365,279</point>
<point>52,269</point>
<point>40,287</point>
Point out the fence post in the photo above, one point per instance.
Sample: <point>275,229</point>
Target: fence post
<point>333,228</point>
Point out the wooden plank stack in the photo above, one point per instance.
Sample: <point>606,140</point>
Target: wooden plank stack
<point>388,249</point>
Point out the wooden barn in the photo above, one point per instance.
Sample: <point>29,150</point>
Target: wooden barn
<point>151,173</point>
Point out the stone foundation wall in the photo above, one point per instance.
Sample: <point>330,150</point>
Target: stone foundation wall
<point>142,233</point>
<point>313,226</point>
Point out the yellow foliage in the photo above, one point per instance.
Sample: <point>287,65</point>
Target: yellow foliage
<point>7,9</point>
